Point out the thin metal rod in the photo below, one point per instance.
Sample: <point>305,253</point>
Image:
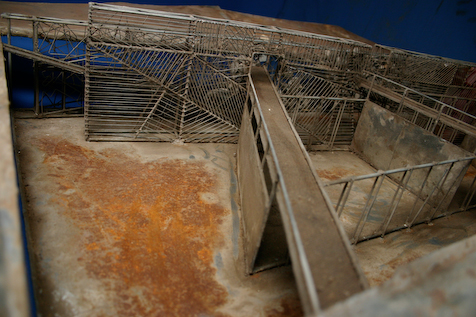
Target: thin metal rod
<point>368,208</point>
<point>442,200</point>
<point>396,201</point>
<point>443,177</point>
<point>343,197</point>
<point>418,196</point>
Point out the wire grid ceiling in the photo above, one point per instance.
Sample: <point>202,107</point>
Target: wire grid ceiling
<point>161,76</point>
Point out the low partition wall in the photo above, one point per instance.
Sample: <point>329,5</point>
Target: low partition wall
<point>388,142</point>
<point>418,175</point>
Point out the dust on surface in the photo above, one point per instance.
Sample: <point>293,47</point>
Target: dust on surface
<point>148,234</point>
<point>290,307</point>
<point>334,173</point>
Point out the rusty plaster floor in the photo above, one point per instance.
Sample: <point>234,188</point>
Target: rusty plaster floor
<point>380,257</point>
<point>138,229</point>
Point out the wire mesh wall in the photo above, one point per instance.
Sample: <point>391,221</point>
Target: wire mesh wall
<point>163,76</point>
<point>323,112</point>
<point>434,76</point>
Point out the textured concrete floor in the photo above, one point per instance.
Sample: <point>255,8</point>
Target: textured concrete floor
<point>138,229</point>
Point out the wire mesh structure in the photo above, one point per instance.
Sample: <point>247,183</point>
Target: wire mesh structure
<point>429,74</point>
<point>322,111</point>
<point>409,198</point>
<point>58,54</point>
<point>162,76</point>
<point>446,121</point>
<point>153,75</point>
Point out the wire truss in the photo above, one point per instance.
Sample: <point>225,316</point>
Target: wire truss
<point>153,75</point>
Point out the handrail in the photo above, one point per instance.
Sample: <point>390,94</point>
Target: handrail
<point>443,105</point>
<point>393,171</point>
<point>299,245</point>
<point>24,17</point>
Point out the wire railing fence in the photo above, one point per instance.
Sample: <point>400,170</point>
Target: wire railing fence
<point>444,120</point>
<point>375,204</point>
<point>429,74</point>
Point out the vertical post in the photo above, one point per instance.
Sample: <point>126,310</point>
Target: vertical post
<point>36,96</point>
<point>63,95</point>
<point>184,106</point>
<point>417,197</point>
<point>343,197</point>
<point>400,107</point>
<point>9,60</point>
<point>371,86</point>
<point>368,207</point>
<point>442,106</point>
<point>398,196</point>
<point>337,124</point>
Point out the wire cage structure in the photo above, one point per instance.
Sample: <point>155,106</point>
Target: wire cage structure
<point>443,84</point>
<point>146,75</point>
<point>153,75</point>
<point>58,53</point>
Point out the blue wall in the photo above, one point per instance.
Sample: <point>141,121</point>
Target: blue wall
<point>438,27</point>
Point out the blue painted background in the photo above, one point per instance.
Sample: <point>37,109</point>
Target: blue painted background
<point>438,27</point>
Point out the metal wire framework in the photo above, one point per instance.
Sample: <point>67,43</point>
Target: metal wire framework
<point>322,111</point>
<point>410,197</point>
<point>58,55</point>
<point>445,79</point>
<point>448,122</point>
<point>426,73</point>
<point>154,75</point>
<point>162,76</point>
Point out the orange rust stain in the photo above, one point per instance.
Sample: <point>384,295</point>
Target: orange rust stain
<point>290,307</point>
<point>334,173</point>
<point>389,268</point>
<point>146,229</point>
<point>471,172</point>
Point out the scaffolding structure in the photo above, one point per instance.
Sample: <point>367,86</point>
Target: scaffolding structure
<point>164,76</point>
<point>146,75</point>
<point>159,76</point>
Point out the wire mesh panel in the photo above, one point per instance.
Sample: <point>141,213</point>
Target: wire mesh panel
<point>164,76</point>
<point>322,111</point>
<point>446,121</point>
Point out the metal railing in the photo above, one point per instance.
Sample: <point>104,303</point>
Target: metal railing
<point>375,204</point>
<point>58,54</point>
<point>444,120</point>
<point>426,73</point>
<point>183,76</point>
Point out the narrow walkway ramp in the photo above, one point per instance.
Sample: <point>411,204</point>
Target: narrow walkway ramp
<point>315,240</point>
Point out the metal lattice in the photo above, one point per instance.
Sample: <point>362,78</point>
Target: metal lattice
<point>434,76</point>
<point>153,75</point>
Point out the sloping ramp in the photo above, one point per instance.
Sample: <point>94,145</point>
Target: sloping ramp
<point>322,260</point>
